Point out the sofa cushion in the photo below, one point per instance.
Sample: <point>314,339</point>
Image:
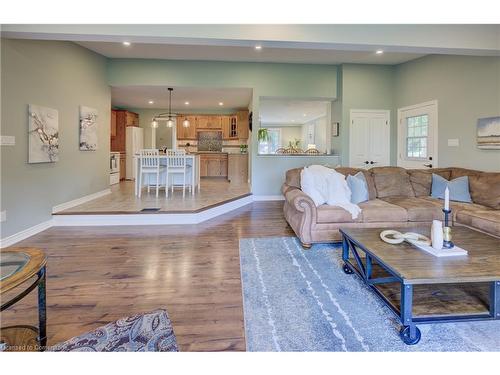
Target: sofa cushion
<point>418,209</point>
<point>359,188</point>
<point>292,177</point>
<point>346,171</point>
<point>459,172</point>
<point>334,214</point>
<point>421,179</point>
<point>456,206</point>
<point>485,189</point>
<point>392,181</point>
<point>377,210</point>
<point>486,221</point>
<point>458,188</point>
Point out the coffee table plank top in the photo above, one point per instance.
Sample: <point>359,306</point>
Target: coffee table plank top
<point>415,266</point>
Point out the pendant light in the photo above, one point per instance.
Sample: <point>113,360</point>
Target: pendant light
<point>170,122</point>
<point>186,123</point>
<point>169,117</point>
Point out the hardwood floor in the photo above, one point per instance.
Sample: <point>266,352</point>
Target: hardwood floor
<point>122,199</point>
<point>99,274</point>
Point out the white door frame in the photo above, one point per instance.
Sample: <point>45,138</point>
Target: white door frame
<point>401,141</point>
<point>387,114</point>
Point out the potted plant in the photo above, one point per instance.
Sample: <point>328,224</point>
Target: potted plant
<point>263,135</point>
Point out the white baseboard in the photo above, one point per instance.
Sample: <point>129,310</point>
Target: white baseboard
<point>150,219</point>
<point>76,202</point>
<point>258,198</point>
<point>19,236</point>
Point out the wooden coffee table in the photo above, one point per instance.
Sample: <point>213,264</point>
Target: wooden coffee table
<point>402,274</point>
<point>21,271</point>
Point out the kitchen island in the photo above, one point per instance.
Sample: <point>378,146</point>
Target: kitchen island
<point>192,160</point>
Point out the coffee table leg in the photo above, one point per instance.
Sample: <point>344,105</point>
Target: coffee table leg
<point>42,311</point>
<point>495,299</point>
<point>345,256</point>
<point>410,334</point>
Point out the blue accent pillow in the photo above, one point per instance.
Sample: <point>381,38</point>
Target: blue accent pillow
<point>359,188</point>
<point>459,188</point>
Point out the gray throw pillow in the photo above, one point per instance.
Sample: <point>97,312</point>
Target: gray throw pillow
<point>459,188</point>
<point>359,188</point>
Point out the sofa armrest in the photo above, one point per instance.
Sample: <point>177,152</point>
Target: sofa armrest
<point>300,201</point>
<point>300,212</point>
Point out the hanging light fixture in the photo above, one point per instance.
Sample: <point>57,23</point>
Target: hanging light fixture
<point>169,117</point>
<point>186,123</point>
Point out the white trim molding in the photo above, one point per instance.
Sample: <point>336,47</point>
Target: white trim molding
<point>19,236</point>
<point>78,201</point>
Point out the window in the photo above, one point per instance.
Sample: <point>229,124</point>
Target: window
<point>270,146</point>
<point>417,130</point>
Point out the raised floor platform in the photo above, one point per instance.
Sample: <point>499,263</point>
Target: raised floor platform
<point>214,192</point>
<point>122,207</point>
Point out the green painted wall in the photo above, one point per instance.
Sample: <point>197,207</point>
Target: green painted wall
<point>278,80</point>
<point>62,76</point>
<point>466,88</point>
<point>364,87</point>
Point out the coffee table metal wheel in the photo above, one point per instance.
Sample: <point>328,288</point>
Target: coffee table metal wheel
<point>405,335</point>
<point>347,269</point>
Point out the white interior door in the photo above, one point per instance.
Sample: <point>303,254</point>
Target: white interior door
<point>418,136</point>
<point>369,138</point>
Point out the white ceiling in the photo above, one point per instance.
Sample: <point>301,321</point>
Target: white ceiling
<point>247,53</point>
<point>288,112</point>
<point>198,98</point>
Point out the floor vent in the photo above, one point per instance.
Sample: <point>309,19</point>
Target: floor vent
<point>150,209</point>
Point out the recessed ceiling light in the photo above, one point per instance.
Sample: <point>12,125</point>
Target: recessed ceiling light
<point>293,120</point>
<point>186,103</point>
<point>379,52</point>
<point>304,114</point>
<point>221,104</point>
<point>258,47</point>
<point>126,44</point>
<point>151,102</point>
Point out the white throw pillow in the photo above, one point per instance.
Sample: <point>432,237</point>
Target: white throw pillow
<point>310,187</point>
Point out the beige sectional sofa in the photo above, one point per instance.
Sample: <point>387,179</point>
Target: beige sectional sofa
<point>399,198</point>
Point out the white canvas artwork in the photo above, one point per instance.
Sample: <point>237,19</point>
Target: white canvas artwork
<point>43,134</point>
<point>488,133</point>
<point>88,128</point>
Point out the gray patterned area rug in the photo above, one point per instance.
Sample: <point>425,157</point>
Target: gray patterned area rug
<point>296,300</point>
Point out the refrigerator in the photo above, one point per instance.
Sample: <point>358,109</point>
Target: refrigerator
<point>134,141</point>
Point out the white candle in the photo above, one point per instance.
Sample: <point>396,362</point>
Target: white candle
<point>447,199</point>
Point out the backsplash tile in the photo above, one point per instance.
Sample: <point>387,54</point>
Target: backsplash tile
<point>209,141</point>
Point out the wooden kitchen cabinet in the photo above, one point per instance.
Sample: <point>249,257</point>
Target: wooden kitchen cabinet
<point>123,119</point>
<point>190,131</point>
<point>237,170</point>
<point>201,122</point>
<point>225,125</point>
<point>233,127</point>
<point>213,165</point>
<point>113,123</point>
<point>131,119</point>
<point>242,123</point>
<point>208,122</point>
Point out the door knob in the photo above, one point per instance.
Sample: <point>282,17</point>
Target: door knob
<point>367,162</point>
<point>428,165</point>
<point>373,162</point>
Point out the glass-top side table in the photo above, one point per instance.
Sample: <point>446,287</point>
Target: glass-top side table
<point>17,267</point>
